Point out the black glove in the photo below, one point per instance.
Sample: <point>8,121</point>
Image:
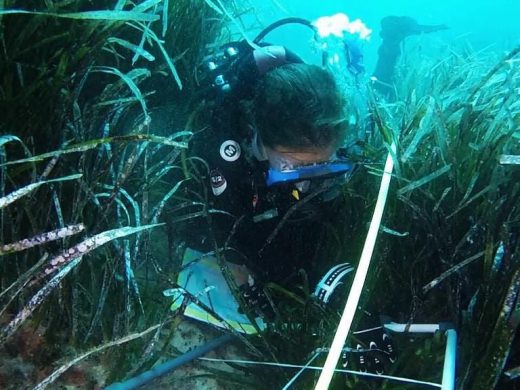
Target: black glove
<point>374,352</point>
<point>255,297</point>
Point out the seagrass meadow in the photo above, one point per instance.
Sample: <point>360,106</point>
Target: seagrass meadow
<point>98,103</point>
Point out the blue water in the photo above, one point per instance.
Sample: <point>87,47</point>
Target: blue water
<point>481,24</point>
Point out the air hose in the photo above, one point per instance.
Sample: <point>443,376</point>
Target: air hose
<point>282,22</point>
<point>170,365</point>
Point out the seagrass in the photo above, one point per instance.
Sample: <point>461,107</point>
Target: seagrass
<point>79,91</point>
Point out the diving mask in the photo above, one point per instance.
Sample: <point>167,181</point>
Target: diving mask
<point>323,170</point>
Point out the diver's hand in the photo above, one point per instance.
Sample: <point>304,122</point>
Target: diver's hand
<point>256,299</point>
<point>374,351</point>
<point>240,273</point>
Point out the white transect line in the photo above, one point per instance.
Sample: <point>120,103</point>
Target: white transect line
<point>359,279</point>
<point>367,374</point>
<point>301,371</point>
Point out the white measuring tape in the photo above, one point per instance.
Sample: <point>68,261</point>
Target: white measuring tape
<point>359,279</point>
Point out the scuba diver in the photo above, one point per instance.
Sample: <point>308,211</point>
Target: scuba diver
<point>394,29</point>
<point>270,164</point>
<point>273,157</point>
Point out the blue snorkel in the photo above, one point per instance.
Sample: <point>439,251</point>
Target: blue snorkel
<point>308,172</point>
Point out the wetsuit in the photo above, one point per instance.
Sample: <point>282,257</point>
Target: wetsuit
<point>272,244</point>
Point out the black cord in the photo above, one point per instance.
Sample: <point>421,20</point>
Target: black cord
<point>279,23</point>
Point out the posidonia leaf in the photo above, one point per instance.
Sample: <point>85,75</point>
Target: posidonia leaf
<point>451,271</point>
<point>482,192</point>
<point>9,138</point>
<point>92,144</point>
<point>146,5</point>
<point>239,27</point>
<point>130,46</point>
<point>424,180</point>
<point>146,29</point>
<point>118,201</point>
<point>92,243</point>
<point>120,5</point>
<point>13,196</point>
<point>183,133</point>
<point>421,132</point>
<point>56,374</point>
<point>94,15</point>
<point>41,239</point>
<point>506,159</point>
<point>119,101</point>
<point>440,133</point>
<point>4,139</point>
<point>158,209</point>
<point>165,18</point>
<point>128,80</point>
<point>130,276</point>
<point>65,262</point>
<point>393,232</point>
<point>214,7</point>
<point>137,73</point>
<point>444,194</point>
<point>36,300</point>
<point>165,54</point>
<point>135,206</point>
